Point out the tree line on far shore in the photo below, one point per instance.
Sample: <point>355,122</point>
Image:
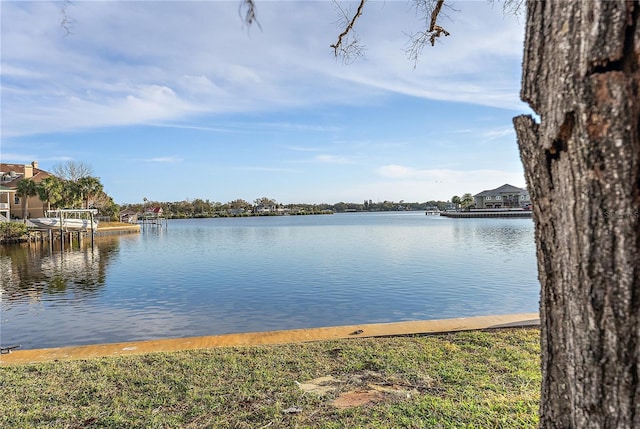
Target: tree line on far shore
<point>73,185</point>
<point>199,208</point>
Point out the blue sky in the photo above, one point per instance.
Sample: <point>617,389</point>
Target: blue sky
<point>174,100</point>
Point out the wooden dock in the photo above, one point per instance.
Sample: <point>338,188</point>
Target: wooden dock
<point>489,213</point>
<point>118,230</point>
<point>51,235</point>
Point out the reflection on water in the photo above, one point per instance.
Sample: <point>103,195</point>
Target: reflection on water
<point>213,276</point>
<point>38,269</point>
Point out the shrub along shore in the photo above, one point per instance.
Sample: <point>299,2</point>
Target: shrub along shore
<point>471,379</point>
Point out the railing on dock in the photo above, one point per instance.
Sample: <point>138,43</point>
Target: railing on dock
<point>39,233</point>
<point>152,221</point>
<point>484,213</point>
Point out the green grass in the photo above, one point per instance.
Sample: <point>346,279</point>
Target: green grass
<point>462,380</point>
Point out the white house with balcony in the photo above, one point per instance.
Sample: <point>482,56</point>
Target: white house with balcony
<point>5,203</point>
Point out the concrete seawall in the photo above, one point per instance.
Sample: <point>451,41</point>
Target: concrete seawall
<point>114,230</point>
<point>481,214</point>
<point>18,357</point>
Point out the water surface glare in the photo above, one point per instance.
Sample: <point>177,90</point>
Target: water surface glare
<point>215,276</point>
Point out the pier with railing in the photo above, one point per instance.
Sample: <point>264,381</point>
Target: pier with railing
<point>485,213</point>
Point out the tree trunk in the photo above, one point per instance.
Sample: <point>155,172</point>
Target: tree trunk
<point>582,165</point>
<point>25,206</point>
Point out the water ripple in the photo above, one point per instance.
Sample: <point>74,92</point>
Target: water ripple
<point>213,276</point>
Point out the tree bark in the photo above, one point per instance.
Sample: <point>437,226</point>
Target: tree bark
<point>582,166</point>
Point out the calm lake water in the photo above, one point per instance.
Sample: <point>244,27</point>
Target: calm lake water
<point>215,276</point>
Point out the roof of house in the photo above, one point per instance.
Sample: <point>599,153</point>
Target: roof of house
<point>504,189</point>
<point>13,173</point>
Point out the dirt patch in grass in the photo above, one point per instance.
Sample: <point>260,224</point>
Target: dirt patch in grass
<point>362,388</point>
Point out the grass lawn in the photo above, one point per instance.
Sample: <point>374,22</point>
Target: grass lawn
<point>461,380</point>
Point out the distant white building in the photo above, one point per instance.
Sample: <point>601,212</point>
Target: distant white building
<point>506,196</point>
<point>265,209</point>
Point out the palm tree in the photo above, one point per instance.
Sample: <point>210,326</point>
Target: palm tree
<point>89,187</point>
<point>26,188</point>
<point>467,200</point>
<point>50,190</point>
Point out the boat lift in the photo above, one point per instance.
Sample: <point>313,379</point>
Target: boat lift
<point>64,223</point>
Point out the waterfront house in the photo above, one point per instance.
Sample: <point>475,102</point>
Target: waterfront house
<point>10,202</point>
<point>265,209</point>
<point>236,212</point>
<point>153,213</point>
<point>5,203</point>
<point>506,196</point>
<point>129,216</point>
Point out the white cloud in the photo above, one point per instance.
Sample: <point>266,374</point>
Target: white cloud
<point>270,169</point>
<point>10,71</point>
<point>498,133</point>
<point>296,126</point>
<point>397,171</point>
<point>302,149</point>
<point>403,173</point>
<point>472,65</point>
<point>442,183</point>
<point>165,159</point>
<point>139,62</point>
<point>16,157</point>
<point>191,67</point>
<point>333,159</point>
<point>193,127</point>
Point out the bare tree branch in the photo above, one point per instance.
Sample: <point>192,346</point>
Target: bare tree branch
<point>429,11</point>
<point>511,7</point>
<point>348,45</point>
<point>434,15</point>
<point>247,11</point>
<point>72,170</point>
<point>67,21</point>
